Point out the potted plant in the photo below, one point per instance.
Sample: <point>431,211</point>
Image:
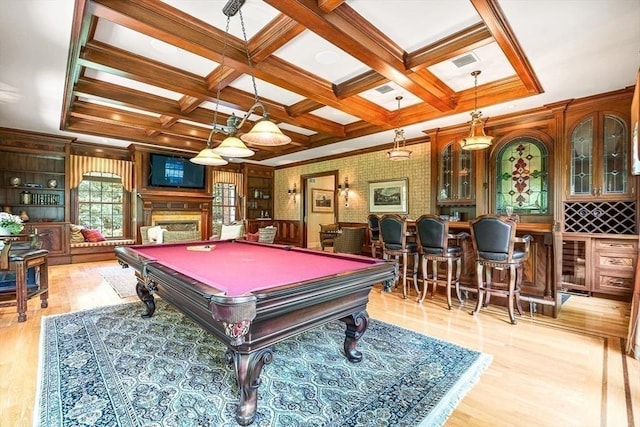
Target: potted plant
<point>10,224</point>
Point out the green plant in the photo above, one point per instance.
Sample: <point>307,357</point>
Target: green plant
<point>12,223</point>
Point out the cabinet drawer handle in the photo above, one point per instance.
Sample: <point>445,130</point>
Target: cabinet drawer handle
<point>616,282</point>
<point>615,261</point>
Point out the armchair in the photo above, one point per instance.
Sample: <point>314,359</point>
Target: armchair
<point>349,241</point>
<point>328,233</point>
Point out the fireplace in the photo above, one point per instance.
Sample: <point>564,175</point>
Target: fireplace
<point>179,225</point>
<point>177,212</point>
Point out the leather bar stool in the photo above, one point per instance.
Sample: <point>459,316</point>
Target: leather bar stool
<point>434,245</point>
<point>393,231</point>
<point>494,240</point>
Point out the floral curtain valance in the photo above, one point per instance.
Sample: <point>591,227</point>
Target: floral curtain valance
<point>83,164</point>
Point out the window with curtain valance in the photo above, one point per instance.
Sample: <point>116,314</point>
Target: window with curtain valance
<point>228,192</point>
<point>81,165</point>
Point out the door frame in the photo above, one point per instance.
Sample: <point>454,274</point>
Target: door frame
<point>305,188</point>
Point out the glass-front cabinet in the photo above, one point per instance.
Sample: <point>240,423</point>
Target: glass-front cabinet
<point>455,180</point>
<point>598,158</point>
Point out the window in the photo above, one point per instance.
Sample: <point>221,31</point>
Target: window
<point>224,203</point>
<point>522,180</point>
<point>101,203</point>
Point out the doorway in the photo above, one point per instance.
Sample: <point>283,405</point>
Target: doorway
<point>319,185</point>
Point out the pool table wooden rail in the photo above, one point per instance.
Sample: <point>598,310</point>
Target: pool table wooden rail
<point>250,324</point>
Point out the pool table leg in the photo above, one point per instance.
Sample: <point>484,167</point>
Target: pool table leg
<point>248,368</point>
<point>146,297</point>
<point>356,326</point>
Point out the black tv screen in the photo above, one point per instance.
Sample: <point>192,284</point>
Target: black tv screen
<point>170,171</point>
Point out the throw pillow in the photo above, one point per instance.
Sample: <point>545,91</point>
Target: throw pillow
<point>76,233</point>
<point>229,232</point>
<point>92,235</point>
<point>155,234</point>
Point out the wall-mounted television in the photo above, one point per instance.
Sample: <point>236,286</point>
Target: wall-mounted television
<point>178,172</point>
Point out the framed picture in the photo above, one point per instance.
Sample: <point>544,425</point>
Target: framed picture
<point>388,196</point>
<point>321,200</point>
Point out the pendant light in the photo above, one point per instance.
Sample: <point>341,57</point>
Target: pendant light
<point>399,151</point>
<point>477,139</point>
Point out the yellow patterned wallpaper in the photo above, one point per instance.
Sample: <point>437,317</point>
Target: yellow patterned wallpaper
<point>359,169</point>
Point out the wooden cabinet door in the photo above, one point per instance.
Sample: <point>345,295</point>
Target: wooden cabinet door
<point>455,175</point>
<point>598,151</point>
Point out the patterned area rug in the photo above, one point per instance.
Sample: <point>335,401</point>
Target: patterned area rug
<point>110,367</point>
<point>122,280</point>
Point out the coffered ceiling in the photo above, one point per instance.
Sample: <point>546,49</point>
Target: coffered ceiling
<point>328,71</point>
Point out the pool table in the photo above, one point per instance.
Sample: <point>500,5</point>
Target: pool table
<point>251,295</point>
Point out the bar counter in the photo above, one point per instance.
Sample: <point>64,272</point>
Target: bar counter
<point>539,285</point>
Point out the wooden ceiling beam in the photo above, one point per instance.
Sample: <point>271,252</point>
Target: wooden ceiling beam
<point>303,107</point>
<point>493,17</point>
<point>450,47</point>
<point>116,61</point>
<point>347,30</point>
<point>360,83</point>
<point>172,26</point>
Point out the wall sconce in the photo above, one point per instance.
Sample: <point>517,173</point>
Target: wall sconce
<point>292,192</point>
<point>344,190</point>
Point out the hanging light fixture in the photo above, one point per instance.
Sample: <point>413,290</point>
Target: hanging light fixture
<point>399,151</point>
<point>264,132</point>
<point>477,139</point>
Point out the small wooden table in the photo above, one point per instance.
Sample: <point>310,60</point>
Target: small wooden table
<point>20,259</point>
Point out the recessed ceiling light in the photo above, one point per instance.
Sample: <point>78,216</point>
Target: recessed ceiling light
<point>326,57</point>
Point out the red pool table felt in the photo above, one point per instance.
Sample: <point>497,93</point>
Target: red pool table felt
<point>238,268</point>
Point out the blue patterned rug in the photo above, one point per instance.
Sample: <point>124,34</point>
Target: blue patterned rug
<point>110,367</point>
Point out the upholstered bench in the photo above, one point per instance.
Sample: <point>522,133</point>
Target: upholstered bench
<point>96,251</point>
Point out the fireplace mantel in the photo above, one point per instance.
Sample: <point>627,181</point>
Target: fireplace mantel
<point>182,202</point>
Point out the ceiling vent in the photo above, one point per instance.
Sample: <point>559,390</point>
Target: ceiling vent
<point>465,60</point>
<point>384,89</point>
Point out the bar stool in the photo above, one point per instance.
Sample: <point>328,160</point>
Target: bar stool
<point>434,245</point>
<point>494,239</point>
<point>374,234</point>
<point>393,232</point>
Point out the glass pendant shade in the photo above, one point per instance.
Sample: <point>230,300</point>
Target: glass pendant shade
<point>473,141</point>
<point>266,133</point>
<point>399,154</point>
<point>208,157</point>
<point>399,151</point>
<point>232,146</point>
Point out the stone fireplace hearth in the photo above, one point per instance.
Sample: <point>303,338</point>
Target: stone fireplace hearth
<point>177,212</point>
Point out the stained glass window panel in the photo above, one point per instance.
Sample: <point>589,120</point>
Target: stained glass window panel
<point>522,177</point>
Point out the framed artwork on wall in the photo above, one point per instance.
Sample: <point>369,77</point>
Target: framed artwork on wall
<point>322,200</point>
<point>389,196</point>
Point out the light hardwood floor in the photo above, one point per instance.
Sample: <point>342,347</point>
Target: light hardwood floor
<point>568,371</point>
